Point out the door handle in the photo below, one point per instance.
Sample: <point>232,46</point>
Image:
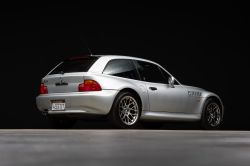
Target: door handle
<point>153,88</point>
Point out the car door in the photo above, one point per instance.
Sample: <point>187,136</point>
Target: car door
<point>161,96</point>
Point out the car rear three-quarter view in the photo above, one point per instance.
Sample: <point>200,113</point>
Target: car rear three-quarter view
<point>124,91</point>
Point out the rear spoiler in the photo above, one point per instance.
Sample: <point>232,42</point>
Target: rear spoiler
<point>82,58</point>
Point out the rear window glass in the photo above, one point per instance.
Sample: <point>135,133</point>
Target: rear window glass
<point>72,66</point>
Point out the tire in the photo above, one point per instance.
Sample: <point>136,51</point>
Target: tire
<point>150,125</point>
<point>125,111</point>
<point>60,122</point>
<point>211,115</point>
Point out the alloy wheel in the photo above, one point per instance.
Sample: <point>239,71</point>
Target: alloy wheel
<point>213,114</point>
<point>128,110</point>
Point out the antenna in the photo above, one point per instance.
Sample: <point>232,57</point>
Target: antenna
<point>85,44</point>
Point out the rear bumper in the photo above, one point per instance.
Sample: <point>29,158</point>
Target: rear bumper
<point>99,102</point>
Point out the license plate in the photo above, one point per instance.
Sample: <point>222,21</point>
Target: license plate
<point>58,106</point>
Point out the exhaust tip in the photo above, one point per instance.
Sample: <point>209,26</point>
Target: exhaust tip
<point>45,111</point>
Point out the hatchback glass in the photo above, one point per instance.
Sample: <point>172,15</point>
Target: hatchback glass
<point>76,65</point>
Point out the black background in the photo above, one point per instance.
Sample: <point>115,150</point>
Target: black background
<point>202,44</point>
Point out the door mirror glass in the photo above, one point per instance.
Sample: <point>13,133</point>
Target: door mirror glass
<point>171,81</point>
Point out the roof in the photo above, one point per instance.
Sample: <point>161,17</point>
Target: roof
<point>100,64</point>
<point>123,57</point>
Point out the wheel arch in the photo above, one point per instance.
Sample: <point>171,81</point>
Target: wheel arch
<point>133,92</point>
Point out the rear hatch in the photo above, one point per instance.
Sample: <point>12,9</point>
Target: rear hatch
<point>67,76</point>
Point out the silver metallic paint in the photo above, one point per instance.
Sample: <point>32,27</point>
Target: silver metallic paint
<point>73,80</point>
<point>167,99</point>
<point>181,107</point>
<point>167,116</point>
<point>98,102</point>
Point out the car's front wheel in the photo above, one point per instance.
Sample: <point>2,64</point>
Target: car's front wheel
<point>60,122</point>
<point>211,115</point>
<point>125,112</point>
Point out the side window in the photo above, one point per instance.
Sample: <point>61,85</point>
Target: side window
<point>149,72</point>
<point>121,68</point>
<point>166,75</point>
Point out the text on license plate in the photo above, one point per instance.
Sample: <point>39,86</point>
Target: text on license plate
<point>58,106</point>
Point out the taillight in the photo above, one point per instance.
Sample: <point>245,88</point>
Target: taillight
<point>89,85</point>
<point>43,89</point>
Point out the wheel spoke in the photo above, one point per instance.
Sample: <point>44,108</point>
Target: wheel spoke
<point>214,122</point>
<point>209,109</point>
<point>209,120</point>
<point>215,107</point>
<point>129,102</point>
<point>133,107</point>
<point>128,110</point>
<point>127,119</point>
<point>213,114</point>
<point>122,115</point>
<point>124,104</point>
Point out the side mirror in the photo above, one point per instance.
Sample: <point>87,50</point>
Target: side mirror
<point>171,81</point>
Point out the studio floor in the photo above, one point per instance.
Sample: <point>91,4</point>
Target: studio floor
<point>124,147</point>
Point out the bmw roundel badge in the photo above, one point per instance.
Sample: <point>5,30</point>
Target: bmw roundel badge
<point>61,80</point>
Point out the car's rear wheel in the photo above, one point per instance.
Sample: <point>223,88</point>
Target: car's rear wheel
<point>60,122</point>
<point>151,125</point>
<point>211,115</point>
<point>125,112</point>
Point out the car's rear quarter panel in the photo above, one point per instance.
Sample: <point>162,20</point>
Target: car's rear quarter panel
<point>109,82</point>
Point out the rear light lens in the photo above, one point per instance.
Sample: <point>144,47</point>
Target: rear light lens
<point>43,89</point>
<point>89,85</point>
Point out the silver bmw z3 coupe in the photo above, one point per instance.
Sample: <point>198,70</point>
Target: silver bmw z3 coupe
<point>125,91</point>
